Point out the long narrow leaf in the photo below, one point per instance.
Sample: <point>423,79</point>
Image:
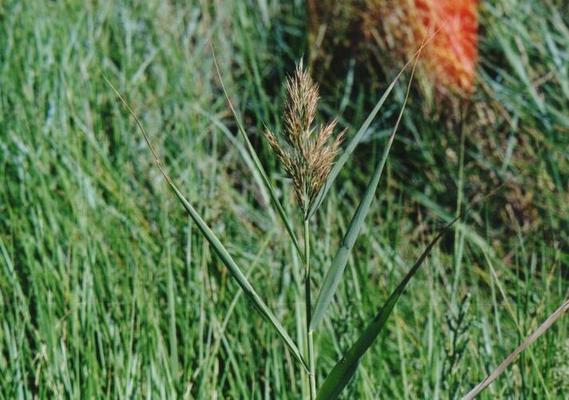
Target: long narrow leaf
<point>336,270</point>
<point>257,162</point>
<point>343,371</point>
<point>353,143</point>
<point>216,244</point>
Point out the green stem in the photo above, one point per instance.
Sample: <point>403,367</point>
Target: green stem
<point>308,304</point>
<point>458,235</point>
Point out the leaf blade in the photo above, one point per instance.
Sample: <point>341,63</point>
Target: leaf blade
<point>352,144</point>
<point>345,369</point>
<point>253,154</point>
<point>216,244</point>
<point>336,270</point>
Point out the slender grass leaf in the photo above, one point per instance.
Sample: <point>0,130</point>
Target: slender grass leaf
<point>242,151</point>
<point>517,63</point>
<point>345,369</point>
<point>353,143</point>
<point>336,270</point>
<point>216,244</point>
<point>280,209</point>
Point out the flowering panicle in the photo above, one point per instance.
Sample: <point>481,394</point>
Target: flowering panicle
<point>306,152</point>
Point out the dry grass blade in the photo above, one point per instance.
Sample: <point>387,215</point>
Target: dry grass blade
<point>216,244</point>
<point>510,359</point>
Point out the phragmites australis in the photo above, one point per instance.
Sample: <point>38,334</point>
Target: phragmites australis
<point>307,152</point>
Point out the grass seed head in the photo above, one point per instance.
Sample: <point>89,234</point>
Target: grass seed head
<point>306,152</point>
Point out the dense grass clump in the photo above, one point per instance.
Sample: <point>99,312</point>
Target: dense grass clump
<point>109,290</point>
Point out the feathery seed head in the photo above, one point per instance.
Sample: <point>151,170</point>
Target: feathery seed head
<point>300,106</point>
<point>307,153</point>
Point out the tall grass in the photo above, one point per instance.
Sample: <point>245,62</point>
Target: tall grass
<point>108,289</point>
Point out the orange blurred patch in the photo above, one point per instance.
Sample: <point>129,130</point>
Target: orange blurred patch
<point>452,55</point>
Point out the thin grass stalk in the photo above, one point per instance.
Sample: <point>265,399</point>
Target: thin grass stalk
<point>557,314</point>
<point>308,303</point>
<point>458,234</point>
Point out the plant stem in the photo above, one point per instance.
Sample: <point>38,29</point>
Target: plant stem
<point>458,234</point>
<point>308,303</point>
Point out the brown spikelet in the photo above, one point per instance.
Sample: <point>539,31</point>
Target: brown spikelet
<point>307,153</point>
<point>300,108</point>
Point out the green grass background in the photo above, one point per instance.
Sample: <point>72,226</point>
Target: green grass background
<point>108,291</point>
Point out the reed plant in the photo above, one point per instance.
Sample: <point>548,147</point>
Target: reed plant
<point>108,289</point>
<point>312,157</point>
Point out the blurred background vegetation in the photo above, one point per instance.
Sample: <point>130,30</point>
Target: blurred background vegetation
<point>108,291</point>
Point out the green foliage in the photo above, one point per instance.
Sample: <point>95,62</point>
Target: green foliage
<point>108,289</point>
